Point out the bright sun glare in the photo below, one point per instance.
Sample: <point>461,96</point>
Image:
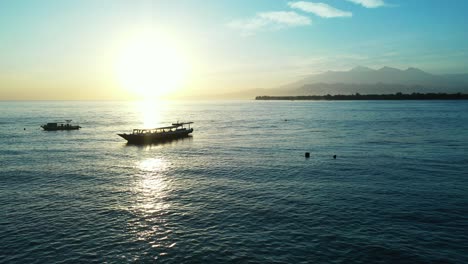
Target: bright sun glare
<point>150,66</point>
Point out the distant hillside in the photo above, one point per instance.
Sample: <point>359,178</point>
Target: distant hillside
<point>366,80</point>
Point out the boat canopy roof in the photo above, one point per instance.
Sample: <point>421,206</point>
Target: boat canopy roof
<point>166,127</point>
<point>60,122</point>
<point>182,123</point>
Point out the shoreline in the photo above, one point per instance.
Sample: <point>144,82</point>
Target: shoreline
<point>357,96</point>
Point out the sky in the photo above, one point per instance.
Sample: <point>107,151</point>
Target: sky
<point>116,49</point>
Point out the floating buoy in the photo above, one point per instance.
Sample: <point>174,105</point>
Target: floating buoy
<point>307,155</point>
<point>24,128</point>
<point>334,156</point>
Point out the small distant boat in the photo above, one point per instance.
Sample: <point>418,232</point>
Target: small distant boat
<point>67,125</point>
<point>160,134</point>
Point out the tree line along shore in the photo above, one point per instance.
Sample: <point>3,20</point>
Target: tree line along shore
<point>357,96</point>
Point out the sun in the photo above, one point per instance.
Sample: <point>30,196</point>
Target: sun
<point>150,66</point>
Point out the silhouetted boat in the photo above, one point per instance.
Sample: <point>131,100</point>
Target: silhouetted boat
<point>160,134</point>
<point>60,126</point>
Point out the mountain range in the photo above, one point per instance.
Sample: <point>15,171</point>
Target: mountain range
<point>370,81</point>
<point>361,80</point>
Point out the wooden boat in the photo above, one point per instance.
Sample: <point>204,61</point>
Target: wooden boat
<point>160,134</point>
<point>67,125</point>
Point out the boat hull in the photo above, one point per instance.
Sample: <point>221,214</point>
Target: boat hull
<point>149,138</point>
<point>46,128</point>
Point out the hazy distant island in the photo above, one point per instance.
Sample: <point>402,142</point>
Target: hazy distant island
<point>357,96</point>
<point>368,81</point>
<point>385,80</point>
<point>363,83</point>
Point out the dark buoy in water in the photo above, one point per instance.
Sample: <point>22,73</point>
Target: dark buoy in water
<point>334,156</point>
<point>24,128</point>
<point>307,155</point>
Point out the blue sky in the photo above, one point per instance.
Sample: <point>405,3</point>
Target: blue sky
<point>231,44</point>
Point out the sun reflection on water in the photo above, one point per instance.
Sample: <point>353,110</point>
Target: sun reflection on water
<point>151,112</point>
<point>151,186</point>
<point>150,191</point>
<point>152,165</point>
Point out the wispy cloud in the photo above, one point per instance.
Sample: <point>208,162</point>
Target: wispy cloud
<point>269,21</point>
<point>369,3</point>
<point>320,9</point>
<point>286,18</point>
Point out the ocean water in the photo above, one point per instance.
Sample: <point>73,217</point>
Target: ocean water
<point>239,190</point>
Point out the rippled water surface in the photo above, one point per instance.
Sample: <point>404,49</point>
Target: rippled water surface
<point>239,190</point>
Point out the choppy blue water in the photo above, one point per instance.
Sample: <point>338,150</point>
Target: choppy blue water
<point>240,190</point>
